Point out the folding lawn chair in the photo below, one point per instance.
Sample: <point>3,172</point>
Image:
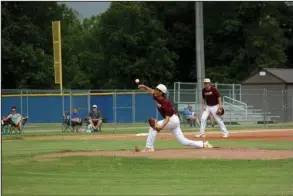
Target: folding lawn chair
<point>66,126</point>
<point>14,128</point>
<point>11,127</point>
<point>5,127</point>
<point>183,119</point>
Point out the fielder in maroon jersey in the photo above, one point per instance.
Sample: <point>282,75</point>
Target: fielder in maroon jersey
<point>212,105</point>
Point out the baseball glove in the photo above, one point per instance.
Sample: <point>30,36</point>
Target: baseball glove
<point>220,112</point>
<point>152,122</point>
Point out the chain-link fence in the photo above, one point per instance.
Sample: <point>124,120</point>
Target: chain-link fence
<point>289,106</point>
<point>130,109</point>
<point>120,109</point>
<point>184,92</point>
<point>231,90</point>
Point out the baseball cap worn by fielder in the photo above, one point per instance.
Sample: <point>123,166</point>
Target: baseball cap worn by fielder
<point>95,106</point>
<point>162,88</point>
<point>207,80</point>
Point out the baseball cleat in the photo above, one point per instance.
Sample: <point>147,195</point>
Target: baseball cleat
<point>148,150</point>
<point>206,144</point>
<point>225,136</point>
<point>200,136</point>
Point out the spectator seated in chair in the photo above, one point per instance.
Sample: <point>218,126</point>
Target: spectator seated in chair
<point>95,120</point>
<point>76,120</point>
<point>14,119</point>
<point>190,116</point>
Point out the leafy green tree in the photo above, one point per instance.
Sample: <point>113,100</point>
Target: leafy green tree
<point>286,22</point>
<point>133,44</point>
<point>27,42</point>
<point>237,37</point>
<point>264,41</point>
<point>179,22</point>
<point>153,41</point>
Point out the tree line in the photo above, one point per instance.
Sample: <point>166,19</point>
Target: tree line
<point>153,41</point>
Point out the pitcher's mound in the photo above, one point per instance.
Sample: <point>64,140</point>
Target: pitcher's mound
<point>189,153</point>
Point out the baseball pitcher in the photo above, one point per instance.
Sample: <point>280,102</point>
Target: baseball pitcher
<point>171,120</point>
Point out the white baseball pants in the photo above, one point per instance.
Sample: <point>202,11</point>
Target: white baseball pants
<point>212,110</point>
<point>174,126</point>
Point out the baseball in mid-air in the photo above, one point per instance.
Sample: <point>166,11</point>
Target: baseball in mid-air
<point>136,81</point>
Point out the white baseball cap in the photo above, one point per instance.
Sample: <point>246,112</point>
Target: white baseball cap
<point>95,106</point>
<point>162,88</point>
<point>207,80</point>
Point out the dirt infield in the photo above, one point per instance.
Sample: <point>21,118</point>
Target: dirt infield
<point>189,153</point>
<point>264,135</point>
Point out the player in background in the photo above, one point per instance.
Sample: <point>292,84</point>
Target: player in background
<point>171,120</point>
<point>212,104</point>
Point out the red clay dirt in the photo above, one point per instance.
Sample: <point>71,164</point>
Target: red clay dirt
<point>264,135</point>
<point>188,153</point>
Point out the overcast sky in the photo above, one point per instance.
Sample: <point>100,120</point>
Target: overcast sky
<point>87,9</point>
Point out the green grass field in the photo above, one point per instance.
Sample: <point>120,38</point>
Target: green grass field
<point>23,174</point>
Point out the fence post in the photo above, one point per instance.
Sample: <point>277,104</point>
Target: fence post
<point>114,110</point>
<point>240,93</point>
<point>70,104</point>
<point>62,93</point>
<point>291,98</point>
<point>21,109</point>
<point>230,114</point>
<point>233,91</point>
<point>284,92</point>
<point>133,106</point>
<point>27,114</point>
<point>174,89</point>
<point>178,92</point>
<point>174,99</point>
<point>197,95</point>
<point>265,107</point>
<point>89,102</point>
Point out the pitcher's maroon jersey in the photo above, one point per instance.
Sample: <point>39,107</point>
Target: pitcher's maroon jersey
<point>166,108</point>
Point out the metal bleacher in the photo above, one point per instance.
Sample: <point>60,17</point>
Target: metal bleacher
<point>237,111</point>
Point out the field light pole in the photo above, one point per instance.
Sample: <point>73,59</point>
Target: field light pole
<point>199,46</point>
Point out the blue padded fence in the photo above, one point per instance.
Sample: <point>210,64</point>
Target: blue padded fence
<point>122,108</point>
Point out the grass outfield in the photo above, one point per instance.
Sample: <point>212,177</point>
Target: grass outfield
<point>22,174</point>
